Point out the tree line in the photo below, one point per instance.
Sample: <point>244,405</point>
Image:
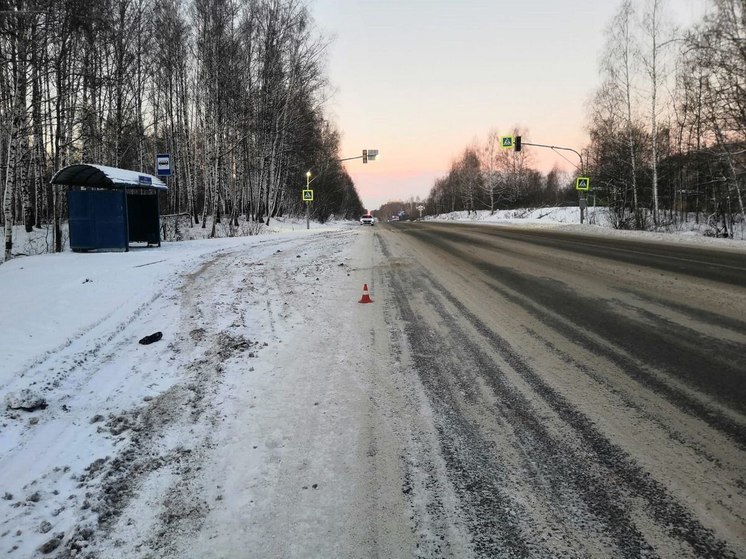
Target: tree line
<point>234,90</point>
<point>667,129</point>
<point>668,122</point>
<point>488,176</point>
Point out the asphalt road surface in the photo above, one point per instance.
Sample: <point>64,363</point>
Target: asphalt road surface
<point>586,396</point>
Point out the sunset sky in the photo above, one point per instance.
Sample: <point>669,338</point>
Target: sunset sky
<point>420,80</point>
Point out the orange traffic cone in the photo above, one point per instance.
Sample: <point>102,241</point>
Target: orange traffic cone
<point>366,297</point>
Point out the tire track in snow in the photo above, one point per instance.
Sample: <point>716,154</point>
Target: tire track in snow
<point>565,472</point>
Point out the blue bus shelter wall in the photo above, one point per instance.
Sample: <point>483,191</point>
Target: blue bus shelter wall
<point>97,220</point>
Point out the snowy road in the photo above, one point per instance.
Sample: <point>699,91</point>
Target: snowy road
<point>584,404</point>
<point>498,399</point>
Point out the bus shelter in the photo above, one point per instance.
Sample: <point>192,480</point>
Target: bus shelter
<point>109,208</point>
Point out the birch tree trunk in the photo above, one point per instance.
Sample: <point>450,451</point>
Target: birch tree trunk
<point>8,197</point>
<point>38,163</point>
<point>654,29</point>
<point>17,118</point>
<point>625,16</point>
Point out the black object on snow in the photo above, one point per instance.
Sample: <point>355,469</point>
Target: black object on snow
<point>151,338</point>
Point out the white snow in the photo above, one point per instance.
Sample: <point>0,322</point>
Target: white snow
<point>70,326</point>
<point>69,330</point>
<point>596,223</point>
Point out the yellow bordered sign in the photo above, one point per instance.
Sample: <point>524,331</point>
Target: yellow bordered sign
<point>308,195</point>
<point>583,183</point>
<point>506,142</point>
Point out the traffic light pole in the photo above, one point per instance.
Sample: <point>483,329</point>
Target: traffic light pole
<point>309,180</point>
<point>581,199</point>
<point>367,154</point>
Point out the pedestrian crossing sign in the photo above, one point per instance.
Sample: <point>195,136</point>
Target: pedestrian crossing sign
<point>506,142</point>
<point>308,195</point>
<point>583,183</point>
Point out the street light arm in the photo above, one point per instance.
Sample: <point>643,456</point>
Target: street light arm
<point>556,148</point>
<point>309,180</point>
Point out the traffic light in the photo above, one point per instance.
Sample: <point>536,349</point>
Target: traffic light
<point>517,143</point>
<point>365,156</point>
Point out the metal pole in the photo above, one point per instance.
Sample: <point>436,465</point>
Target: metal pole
<point>126,221</point>
<point>581,199</point>
<point>308,204</point>
<point>309,180</point>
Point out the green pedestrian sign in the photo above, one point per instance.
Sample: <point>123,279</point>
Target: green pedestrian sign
<point>583,183</point>
<point>308,195</point>
<point>506,142</point>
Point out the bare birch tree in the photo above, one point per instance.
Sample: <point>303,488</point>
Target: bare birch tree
<point>619,63</point>
<point>658,36</point>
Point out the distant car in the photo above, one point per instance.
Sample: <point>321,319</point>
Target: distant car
<point>394,218</point>
<point>367,219</point>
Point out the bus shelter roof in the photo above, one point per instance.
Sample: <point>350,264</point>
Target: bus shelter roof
<point>86,174</point>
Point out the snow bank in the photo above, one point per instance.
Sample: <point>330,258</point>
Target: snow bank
<point>597,223</point>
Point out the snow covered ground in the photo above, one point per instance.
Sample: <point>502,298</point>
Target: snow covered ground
<point>94,423</point>
<point>259,365</point>
<point>596,223</point>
